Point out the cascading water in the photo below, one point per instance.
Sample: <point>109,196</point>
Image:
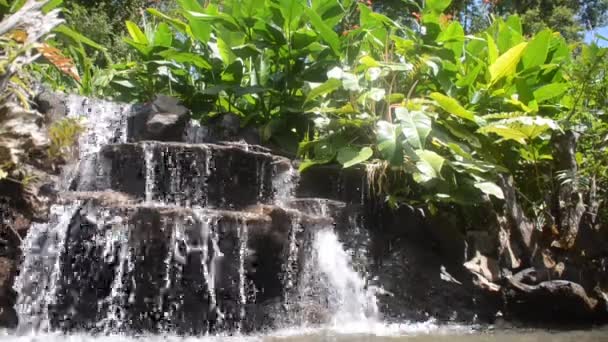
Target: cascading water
<point>209,258</point>
<point>149,164</point>
<point>104,122</point>
<point>201,262</point>
<point>116,251</point>
<point>349,300</point>
<point>36,284</point>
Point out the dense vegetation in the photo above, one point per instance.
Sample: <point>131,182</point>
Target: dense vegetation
<point>440,101</point>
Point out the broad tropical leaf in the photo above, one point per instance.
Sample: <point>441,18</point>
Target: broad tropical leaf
<point>537,50</point>
<point>520,129</point>
<point>490,188</point>
<point>415,126</point>
<point>506,64</point>
<point>350,156</point>
<point>550,91</point>
<point>323,89</point>
<point>388,142</point>
<point>452,106</point>
<point>325,31</point>
<point>429,166</point>
<point>136,33</point>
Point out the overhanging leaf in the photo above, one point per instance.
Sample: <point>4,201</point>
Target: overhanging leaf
<point>326,32</point>
<point>452,106</point>
<point>490,188</point>
<point>63,29</point>
<point>415,126</point>
<point>550,91</point>
<point>186,57</point>
<point>520,129</point>
<point>350,156</point>
<point>387,134</point>
<point>323,89</point>
<point>429,166</point>
<point>537,50</point>
<point>136,33</point>
<point>506,64</point>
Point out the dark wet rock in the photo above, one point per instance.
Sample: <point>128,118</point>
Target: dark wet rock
<point>52,104</point>
<point>222,176</point>
<point>8,269</point>
<point>164,119</point>
<point>165,255</point>
<point>418,260</point>
<point>225,127</point>
<point>534,298</point>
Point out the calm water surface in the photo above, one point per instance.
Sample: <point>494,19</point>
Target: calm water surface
<point>423,332</point>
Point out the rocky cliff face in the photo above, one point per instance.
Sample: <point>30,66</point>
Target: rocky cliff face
<point>166,225</point>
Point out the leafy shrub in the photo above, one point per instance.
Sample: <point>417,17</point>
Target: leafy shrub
<point>64,135</point>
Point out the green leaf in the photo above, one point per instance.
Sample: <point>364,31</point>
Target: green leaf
<point>233,74</point>
<point>369,61</point>
<point>124,83</point>
<point>225,51</point>
<point>51,5</point>
<point>3,174</point>
<point>452,37</point>
<point>178,24</point>
<point>68,32</point>
<point>505,132</point>
<point>490,188</point>
<point>222,18</point>
<point>429,166</point>
<point>537,50</point>
<point>506,64</point>
<point>438,5</point>
<point>325,31</point>
<point>550,91</point>
<point>163,36</point>
<point>520,129</point>
<point>492,49</point>
<point>136,33</point>
<point>349,156</point>
<point>387,135</point>
<point>186,57</point>
<point>415,126</point>
<point>452,106</point>
<point>302,38</point>
<point>200,30</point>
<point>323,89</point>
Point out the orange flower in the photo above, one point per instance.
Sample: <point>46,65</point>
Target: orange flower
<point>61,62</point>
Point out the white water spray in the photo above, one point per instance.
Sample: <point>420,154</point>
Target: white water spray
<point>350,299</point>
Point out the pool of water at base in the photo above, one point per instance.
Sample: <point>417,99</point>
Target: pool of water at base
<point>411,332</point>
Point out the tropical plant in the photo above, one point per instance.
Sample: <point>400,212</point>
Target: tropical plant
<point>64,134</point>
<point>253,58</point>
<point>454,111</point>
<point>24,32</point>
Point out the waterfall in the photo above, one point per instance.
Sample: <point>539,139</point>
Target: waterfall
<point>40,271</point>
<point>210,259</point>
<point>350,299</point>
<point>105,122</point>
<point>208,240</point>
<point>243,236</point>
<point>116,251</point>
<point>149,164</point>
